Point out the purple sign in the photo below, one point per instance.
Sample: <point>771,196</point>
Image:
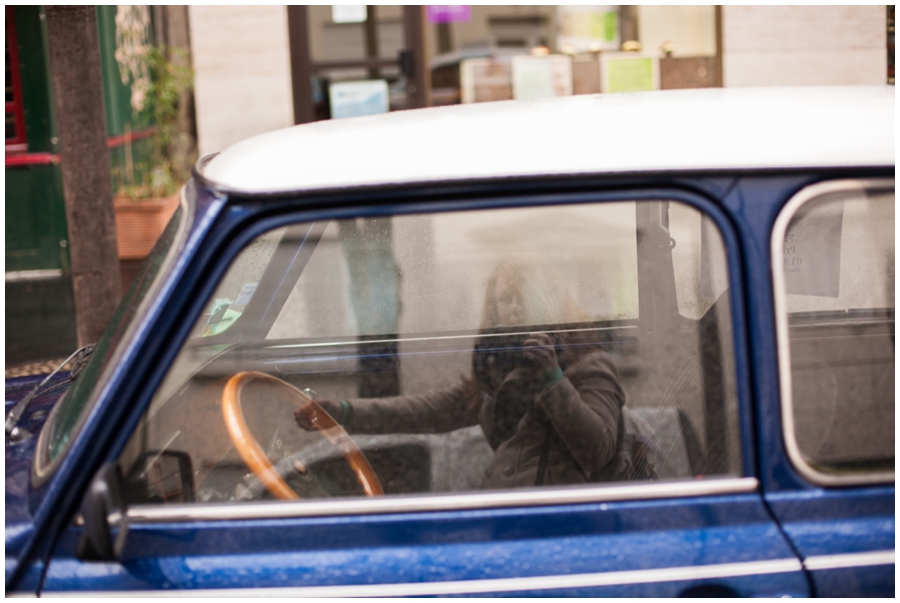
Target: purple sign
<point>449,14</point>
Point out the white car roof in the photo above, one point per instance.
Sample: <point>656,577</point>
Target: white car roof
<point>677,130</point>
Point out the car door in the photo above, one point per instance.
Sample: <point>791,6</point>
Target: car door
<point>386,305</point>
<point>833,487</point>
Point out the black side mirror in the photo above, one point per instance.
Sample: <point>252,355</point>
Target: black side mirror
<point>160,477</point>
<point>102,508</point>
<point>157,476</point>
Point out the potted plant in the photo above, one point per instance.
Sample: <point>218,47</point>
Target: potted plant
<point>153,168</point>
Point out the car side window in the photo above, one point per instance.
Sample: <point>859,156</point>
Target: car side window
<point>834,253</point>
<point>555,346</point>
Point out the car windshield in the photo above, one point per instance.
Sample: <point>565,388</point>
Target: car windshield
<point>69,413</point>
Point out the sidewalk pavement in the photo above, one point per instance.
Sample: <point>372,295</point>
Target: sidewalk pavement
<point>34,368</point>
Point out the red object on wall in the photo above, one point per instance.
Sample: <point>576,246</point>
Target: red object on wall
<point>117,141</point>
<point>14,107</point>
<point>19,158</point>
<point>26,159</point>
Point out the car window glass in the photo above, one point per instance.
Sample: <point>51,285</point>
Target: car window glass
<point>458,351</point>
<point>838,260</point>
<point>446,254</point>
<point>236,291</point>
<point>699,259</point>
<point>68,415</point>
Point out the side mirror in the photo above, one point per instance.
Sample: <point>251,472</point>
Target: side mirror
<point>160,477</point>
<point>102,508</point>
<point>155,477</point>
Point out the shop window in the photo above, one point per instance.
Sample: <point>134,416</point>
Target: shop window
<point>15,114</point>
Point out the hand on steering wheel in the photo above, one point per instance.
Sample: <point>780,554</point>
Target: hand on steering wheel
<point>307,417</point>
<point>257,460</point>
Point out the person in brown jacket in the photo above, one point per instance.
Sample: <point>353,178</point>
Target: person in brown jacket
<point>549,403</point>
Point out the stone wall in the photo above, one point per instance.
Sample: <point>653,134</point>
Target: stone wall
<point>804,45</point>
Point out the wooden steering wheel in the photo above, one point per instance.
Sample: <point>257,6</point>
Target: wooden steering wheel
<point>250,451</point>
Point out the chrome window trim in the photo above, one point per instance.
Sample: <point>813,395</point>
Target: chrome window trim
<point>452,502</point>
<point>824,562</point>
<point>414,339</point>
<point>779,291</point>
<point>494,585</point>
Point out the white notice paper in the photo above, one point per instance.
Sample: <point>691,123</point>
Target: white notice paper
<point>812,250</point>
<point>246,295</point>
<point>541,77</point>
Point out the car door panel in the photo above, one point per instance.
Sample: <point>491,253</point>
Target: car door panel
<point>646,548</point>
<point>846,539</point>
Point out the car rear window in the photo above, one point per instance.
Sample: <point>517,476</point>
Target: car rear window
<point>836,304</point>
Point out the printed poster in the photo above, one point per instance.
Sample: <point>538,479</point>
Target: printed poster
<point>587,28</point>
<point>541,77</point>
<point>628,72</point>
<point>353,99</point>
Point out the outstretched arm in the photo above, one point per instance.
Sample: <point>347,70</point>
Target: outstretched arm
<point>433,412</point>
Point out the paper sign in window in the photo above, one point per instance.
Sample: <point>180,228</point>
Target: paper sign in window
<point>812,251</point>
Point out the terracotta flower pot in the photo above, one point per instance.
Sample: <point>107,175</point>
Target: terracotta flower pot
<point>139,224</point>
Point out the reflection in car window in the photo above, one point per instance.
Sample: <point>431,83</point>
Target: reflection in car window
<point>236,291</point>
<point>839,281</point>
<point>447,255</point>
<point>453,352</point>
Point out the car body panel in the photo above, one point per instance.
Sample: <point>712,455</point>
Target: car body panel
<point>808,513</point>
<point>463,551</point>
<point>845,532</point>
<point>20,456</point>
<point>845,537</point>
<point>720,544</point>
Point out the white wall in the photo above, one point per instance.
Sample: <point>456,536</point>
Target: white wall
<point>242,73</point>
<point>804,45</point>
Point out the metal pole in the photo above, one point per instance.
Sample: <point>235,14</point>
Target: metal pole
<point>371,32</point>
<point>445,40</point>
<point>719,80</point>
<point>419,86</point>
<point>301,72</point>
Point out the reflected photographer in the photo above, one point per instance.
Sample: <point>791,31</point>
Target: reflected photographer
<point>547,398</point>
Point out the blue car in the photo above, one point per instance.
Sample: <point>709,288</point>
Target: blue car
<point>615,345</point>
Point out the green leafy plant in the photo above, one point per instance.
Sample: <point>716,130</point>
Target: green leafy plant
<point>165,164</point>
